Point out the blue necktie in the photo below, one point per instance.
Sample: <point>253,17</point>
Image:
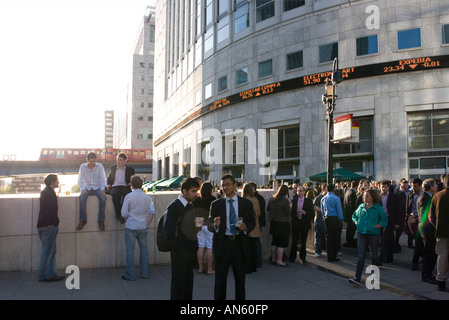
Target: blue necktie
<point>232,217</point>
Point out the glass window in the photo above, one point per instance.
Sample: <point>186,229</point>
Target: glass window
<point>222,6</point>
<point>294,60</point>
<point>241,76</point>
<point>353,166</point>
<point>241,17</point>
<point>367,45</point>
<point>209,12</point>
<point>292,4</point>
<point>223,29</point>
<point>432,163</point>
<point>365,139</point>
<point>151,33</point>
<point>408,39</point>
<point>288,143</point>
<point>209,39</point>
<point>208,91</point>
<point>264,9</point>
<point>428,131</point>
<point>445,32</point>
<point>222,83</point>
<point>265,68</point>
<point>328,52</point>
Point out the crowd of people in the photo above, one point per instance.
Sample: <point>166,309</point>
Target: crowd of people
<point>376,214</point>
<point>212,231</point>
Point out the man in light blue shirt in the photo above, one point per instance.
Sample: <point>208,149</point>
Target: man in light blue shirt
<point>92,181</point>
<point>333,220</point>
<point>138,210</point>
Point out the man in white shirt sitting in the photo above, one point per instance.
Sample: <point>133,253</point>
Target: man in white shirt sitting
<point>92,181</point>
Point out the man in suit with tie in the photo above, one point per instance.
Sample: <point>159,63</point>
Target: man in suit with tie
<point>180,233</point>
<point>231,219</point>
<point>302,216</point>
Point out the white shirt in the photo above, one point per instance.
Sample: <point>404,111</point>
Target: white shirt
<point>137,207</point>
<point>92,179</point>
<point>120,177</point>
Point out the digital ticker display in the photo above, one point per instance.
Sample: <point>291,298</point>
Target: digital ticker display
<point>352,73</point>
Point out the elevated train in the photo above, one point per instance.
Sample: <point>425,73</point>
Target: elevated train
<point>103,154</point>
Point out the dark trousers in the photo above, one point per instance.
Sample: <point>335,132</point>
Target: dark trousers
<point>182,273</point>
<point>363,241</point>
<point>118,194</point>
<point>333,230</point>
<point>387,244</point>
<point>299,234</point>
<point>350,232</point>
<point>429,255</point>
<point>232,255</point>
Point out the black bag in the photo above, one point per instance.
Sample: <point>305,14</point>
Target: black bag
<point>161,242</point>
<point>161,239</point>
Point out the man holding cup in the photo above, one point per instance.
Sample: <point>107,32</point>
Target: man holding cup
<point>231,219</point>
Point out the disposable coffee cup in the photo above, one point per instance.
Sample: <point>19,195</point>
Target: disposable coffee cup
<point>199,222</point>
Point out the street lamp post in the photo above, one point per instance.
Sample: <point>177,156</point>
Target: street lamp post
<point>329,98</point>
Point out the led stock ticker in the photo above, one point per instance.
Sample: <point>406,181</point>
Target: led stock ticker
<point>352,73</point>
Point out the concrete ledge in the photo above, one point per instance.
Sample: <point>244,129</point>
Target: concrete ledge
<point>20,245</point>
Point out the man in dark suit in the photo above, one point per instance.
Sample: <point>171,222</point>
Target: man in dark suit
<point>349,206</point>
<point>302,216</point>
<point>180,232</point>
<point>231,219</point>
<point>118,183</point>
<point>411,220</point>
<point>390,204</point>
<point>427,231</point>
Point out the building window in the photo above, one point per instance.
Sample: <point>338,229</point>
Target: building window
<point>142,64</point>
<point>150,118</point>
<point>428,130</point>
<point>208,91</point>
<point>265,68</point>
<point>149,136</point>
<point>222,83</point>
<point>292,4</point>
<point>223,29</point>
<point>141,91</point>
<point>365,138</point>
<point>288,143</point>
<point>445,32</point>
<point>152,34</point>
<point>241,16</point>
<point>294,60</point>
<point>264,9</point>
<point>140,136</point>
<point>140,118</point>
<point>367,45</point>
<point>408,39</point>
<point>328,52</point>
<point>241,76</point>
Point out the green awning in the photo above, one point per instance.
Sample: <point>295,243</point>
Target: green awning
<point>150,185</point>
<point>171,183</point>
<point>339,174</point>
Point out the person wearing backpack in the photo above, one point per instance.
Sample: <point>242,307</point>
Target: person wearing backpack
<point>180,235</point>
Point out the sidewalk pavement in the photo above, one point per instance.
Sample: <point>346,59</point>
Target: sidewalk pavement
<point>315,280</point>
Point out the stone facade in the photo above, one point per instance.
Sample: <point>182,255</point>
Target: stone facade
<point>385,101</point>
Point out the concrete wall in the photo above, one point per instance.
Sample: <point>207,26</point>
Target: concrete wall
<point>20,245</point>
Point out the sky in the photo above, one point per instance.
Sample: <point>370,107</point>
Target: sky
<point>62,64</point>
